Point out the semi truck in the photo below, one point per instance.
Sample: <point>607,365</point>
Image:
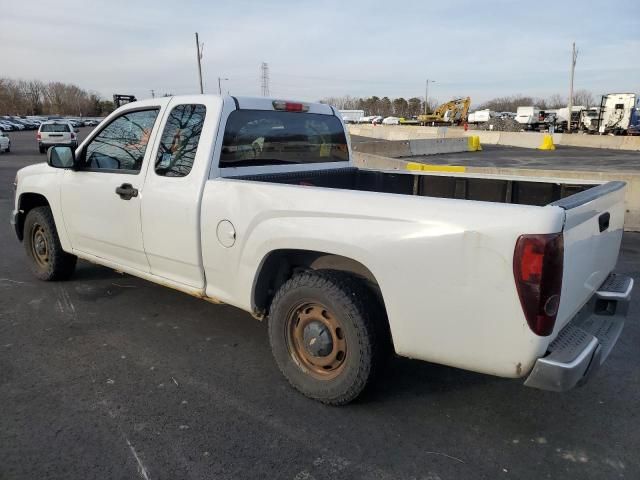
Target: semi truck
<point>619,114</point>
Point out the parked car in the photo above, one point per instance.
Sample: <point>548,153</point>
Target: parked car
<point>5,142</point>
<point>15,125</point>
<point>366,119</point>
<point>391,121</point>
<point>28,125</point>
<point>268,213</point>
<point>56,132</point>
<point>91,123</point>
<point>6,126</point>
<point>377,120</point>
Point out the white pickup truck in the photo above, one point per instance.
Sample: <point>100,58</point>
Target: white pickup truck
<point>256,203</point>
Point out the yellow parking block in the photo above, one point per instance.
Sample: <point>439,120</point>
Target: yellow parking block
<point>434,168</point>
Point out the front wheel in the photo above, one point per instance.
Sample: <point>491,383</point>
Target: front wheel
<point>48,261</point>
<point>325,335</point>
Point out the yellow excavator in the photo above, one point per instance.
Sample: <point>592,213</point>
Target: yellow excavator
<point>453,112</point>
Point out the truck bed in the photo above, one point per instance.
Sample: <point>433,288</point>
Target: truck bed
<point>522,192</point>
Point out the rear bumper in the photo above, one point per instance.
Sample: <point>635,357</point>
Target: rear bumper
<point>586,341</point>
<point>70,143</point>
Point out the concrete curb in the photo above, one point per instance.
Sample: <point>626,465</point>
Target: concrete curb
<point>512,139</point>
<point>416,147</point>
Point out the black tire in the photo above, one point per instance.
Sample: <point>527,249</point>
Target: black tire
<point>361,331</point>
<point>47,259</point>
<point>42,149</point>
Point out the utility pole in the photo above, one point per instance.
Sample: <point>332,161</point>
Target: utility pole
<point>153,93</point>
<point>426,95</point>
<point>574,57</point>
<point>220,80</point>
<point>264,79</point>
<point>199,57</point>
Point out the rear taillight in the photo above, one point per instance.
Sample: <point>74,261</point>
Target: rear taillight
<point>73,136</point>
<point>38,136</point>
<point>537,267</point>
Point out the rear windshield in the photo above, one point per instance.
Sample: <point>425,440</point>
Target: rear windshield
<point>55,127</point>
<point>263,137</point>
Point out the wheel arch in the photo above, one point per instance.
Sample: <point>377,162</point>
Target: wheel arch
<point>279,265</point>
<point>27,202</point>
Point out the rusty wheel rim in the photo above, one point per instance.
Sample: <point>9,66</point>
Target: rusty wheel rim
<point>316,340</point>
<point>39,245</point>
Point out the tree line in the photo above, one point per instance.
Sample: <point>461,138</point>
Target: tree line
<point>511,103</point>
<point>385,106</point>
<point>35,97</point>
<point>401,107</point>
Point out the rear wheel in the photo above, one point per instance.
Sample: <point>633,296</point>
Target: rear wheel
<point>325,335</point>
<point>48,261</point>
<point>42,149</point>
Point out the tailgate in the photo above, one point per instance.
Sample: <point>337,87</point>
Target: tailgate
<point>592,234</point>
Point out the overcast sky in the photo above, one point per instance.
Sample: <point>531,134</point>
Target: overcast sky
<point>325,48</point>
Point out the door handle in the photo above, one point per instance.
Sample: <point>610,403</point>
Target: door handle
<point>126,191</point>
<point>603,221</point>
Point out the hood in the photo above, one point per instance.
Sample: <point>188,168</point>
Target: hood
<point>36,169</point>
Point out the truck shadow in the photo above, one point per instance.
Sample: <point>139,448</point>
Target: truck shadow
<point>403,377</point>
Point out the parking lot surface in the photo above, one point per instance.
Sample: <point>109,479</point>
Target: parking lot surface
<point>109,376</point>
<point>563,158</point>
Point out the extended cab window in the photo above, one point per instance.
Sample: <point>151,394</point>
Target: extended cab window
<point>179,142</point>
<point>122,143</point>
<point>264,137</point>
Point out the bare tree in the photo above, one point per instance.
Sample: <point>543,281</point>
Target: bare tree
<point>556,101</point>
<point>33,93</point>
<point>34,97</point>
<point>508,104</point>
<point>583,97</point>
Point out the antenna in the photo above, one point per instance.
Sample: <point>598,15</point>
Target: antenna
<point>199,48</point>
<point>264,78</point>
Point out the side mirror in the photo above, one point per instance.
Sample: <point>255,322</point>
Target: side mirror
<point>77,130</point>
<point>61,157</point>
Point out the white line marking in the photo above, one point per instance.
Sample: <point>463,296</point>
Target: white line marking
<point>141,469</point>
<point>445,455</point>
<point>11,281</point>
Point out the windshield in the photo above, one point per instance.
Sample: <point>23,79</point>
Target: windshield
<point>264,137</point>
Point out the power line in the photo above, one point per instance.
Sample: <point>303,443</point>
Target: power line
<point>264,79</point>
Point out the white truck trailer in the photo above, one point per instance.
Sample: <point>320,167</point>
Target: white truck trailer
<point>351,116</point>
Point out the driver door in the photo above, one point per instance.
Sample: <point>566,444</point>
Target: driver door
<point>101,199</point>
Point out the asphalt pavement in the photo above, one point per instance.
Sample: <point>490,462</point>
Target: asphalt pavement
<point>562,158</point>
<point>109,376</point>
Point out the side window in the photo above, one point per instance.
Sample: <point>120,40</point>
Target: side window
<point>122,143</point>
<point>179,142</point>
